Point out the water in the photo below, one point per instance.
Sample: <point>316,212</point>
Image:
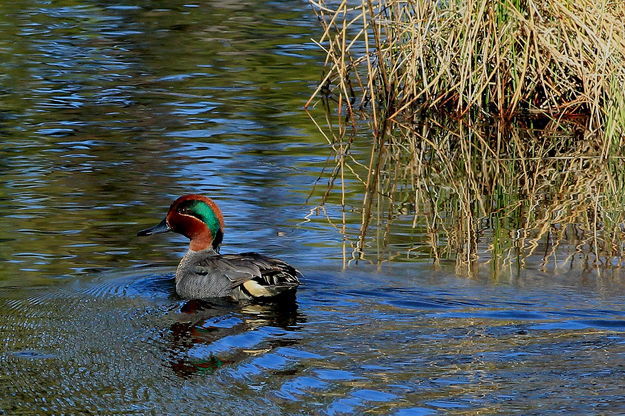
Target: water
<point>108,111</point>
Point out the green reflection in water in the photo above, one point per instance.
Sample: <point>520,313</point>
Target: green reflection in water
<point>108,112</point>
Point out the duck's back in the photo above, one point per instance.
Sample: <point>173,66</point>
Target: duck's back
<point>207,274</point>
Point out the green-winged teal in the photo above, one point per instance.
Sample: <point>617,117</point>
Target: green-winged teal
<point>204,273</point>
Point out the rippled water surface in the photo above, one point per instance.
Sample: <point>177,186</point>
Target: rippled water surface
<point>108,111</point>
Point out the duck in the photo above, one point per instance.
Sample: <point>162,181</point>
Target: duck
<point>204,273</point>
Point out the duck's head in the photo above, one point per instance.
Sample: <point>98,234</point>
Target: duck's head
<point>197,218</point>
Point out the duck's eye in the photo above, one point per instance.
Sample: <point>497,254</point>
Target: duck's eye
<point>186,208</point>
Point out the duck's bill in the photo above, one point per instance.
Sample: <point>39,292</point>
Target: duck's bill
<point>162,227</point>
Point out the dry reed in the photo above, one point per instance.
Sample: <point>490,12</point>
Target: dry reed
<point>477,188</point>
<point>503,58</point>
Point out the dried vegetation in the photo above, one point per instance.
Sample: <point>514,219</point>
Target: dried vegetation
<point>494,128</point>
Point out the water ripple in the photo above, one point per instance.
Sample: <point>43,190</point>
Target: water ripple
<point>108,112</point>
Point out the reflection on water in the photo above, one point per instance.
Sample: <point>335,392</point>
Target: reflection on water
<point>108,111</point>
<point>209,335</point>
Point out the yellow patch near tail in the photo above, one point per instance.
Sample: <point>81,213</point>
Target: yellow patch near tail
<point>256,289</point>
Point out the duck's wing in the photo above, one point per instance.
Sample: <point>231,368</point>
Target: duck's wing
<point>255,274</point>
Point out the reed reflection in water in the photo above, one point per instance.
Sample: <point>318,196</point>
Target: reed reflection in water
<point>539,191</point>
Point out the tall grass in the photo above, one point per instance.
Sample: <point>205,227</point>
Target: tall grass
<point>500,58</point>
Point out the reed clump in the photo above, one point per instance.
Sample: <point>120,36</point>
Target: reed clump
<point>478,131</point>
<point>502,58</point>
